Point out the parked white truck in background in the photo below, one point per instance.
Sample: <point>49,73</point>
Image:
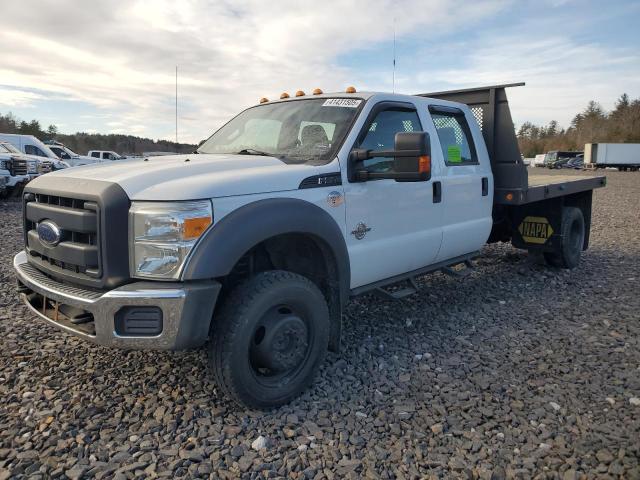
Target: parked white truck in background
<point>623,156</point>
<point>34,148</point>
<point>21,167</point>
<point>538,160</point>
<point>105,155</point>
<point>72,158</point>
<point>15,168</point>
<point>254,244</point>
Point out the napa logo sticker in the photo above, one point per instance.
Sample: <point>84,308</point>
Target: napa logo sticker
<point>535,230</point>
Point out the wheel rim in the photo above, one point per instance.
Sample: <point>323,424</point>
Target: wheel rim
<point>280,346</point>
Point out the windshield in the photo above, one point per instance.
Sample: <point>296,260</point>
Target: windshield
<point>10,148</point>
<point>300,131</point>
<point>70,152</point>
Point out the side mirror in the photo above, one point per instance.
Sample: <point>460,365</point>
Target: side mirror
<point>411,154</point>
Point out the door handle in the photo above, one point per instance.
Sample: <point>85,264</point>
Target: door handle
<point>437,192</point>
<point>485,186</point>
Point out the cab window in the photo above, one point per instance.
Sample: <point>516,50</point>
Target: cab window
<point>61,153</point>
<point>95,154</point>
<point>381,134</point>
<point>455,136</point>
<point>33,150</point>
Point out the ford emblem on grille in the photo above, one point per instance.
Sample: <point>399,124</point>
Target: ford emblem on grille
<point>49,233</point>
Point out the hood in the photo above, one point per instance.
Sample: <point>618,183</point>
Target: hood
<point>195,176</point>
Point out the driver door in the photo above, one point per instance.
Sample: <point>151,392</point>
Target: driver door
<point>392,227</point>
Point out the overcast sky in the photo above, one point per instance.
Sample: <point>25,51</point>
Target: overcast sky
<point>109,66</point>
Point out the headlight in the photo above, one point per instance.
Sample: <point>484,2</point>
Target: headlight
<point>163,234</point>
<point>32,167</point>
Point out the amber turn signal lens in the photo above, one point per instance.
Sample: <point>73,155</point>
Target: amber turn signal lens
<point>424,165</point>
<point>194,227</point>
<point>284,95</point>
<point>509,196</point>
<point>299,93</point>
<point>317,91</point>
<point>350,90</point>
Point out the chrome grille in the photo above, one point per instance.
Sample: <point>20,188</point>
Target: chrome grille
<point>45,167</point>
<point>19,167</point>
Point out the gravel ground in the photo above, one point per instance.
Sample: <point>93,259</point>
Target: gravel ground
<point>517,371</point>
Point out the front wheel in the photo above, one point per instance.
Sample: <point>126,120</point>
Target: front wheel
<point>269,339</point>
<point>573,231</point>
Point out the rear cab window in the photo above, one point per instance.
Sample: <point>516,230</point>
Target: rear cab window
<point>454,135</point>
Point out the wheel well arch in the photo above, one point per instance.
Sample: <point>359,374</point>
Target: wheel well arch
<point>282,233</point>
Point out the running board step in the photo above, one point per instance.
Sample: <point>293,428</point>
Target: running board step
<point>411,288</point>
<point>459,273</point>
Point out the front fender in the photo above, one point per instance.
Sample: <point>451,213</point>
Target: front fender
<point>227,241</point>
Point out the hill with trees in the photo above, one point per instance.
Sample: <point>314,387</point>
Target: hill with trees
<point>81,142</point>
<point>592,125</point>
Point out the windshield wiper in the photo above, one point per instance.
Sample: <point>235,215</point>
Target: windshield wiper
<point>253,151</point>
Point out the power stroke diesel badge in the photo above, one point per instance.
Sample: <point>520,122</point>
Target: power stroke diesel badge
<point>360,231</point>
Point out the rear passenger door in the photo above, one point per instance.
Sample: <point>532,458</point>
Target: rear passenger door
<point>467,183</point>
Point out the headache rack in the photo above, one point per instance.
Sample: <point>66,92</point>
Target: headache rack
<point>490,107</point>
<point>512,185</point>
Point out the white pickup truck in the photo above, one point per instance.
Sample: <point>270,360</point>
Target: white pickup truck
<point>254,244</point>
<point>67,155</point>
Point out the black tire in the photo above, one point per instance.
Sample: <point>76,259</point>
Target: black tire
<point>280,310</point>
<point>573,232</point>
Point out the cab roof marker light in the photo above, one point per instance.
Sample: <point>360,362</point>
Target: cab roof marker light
<point>317,91</point>
<point>284,95</point>
<point>350,89</point>
<point>264,100</point>
<point>299,93</point>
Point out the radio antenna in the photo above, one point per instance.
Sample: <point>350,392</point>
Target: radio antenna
<point>176,103</point>
<point>393,81</point>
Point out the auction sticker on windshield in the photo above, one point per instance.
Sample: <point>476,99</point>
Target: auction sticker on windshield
<point>342,102</point>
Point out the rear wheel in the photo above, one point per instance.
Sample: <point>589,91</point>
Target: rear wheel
<point>269,339</point>
<point>573,232</point>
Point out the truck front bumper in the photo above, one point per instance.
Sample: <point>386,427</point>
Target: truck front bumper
<point>139,315</point>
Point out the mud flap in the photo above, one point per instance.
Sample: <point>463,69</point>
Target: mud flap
<point>537,226</point>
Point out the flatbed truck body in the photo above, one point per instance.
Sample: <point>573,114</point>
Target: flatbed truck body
<point>254,244</point>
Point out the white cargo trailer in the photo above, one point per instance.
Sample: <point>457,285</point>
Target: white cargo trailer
<point>623,156</point>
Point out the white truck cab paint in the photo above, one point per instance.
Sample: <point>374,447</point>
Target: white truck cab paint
<point>281,216</point>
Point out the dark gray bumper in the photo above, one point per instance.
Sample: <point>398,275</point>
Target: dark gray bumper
<point>187,308</point>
